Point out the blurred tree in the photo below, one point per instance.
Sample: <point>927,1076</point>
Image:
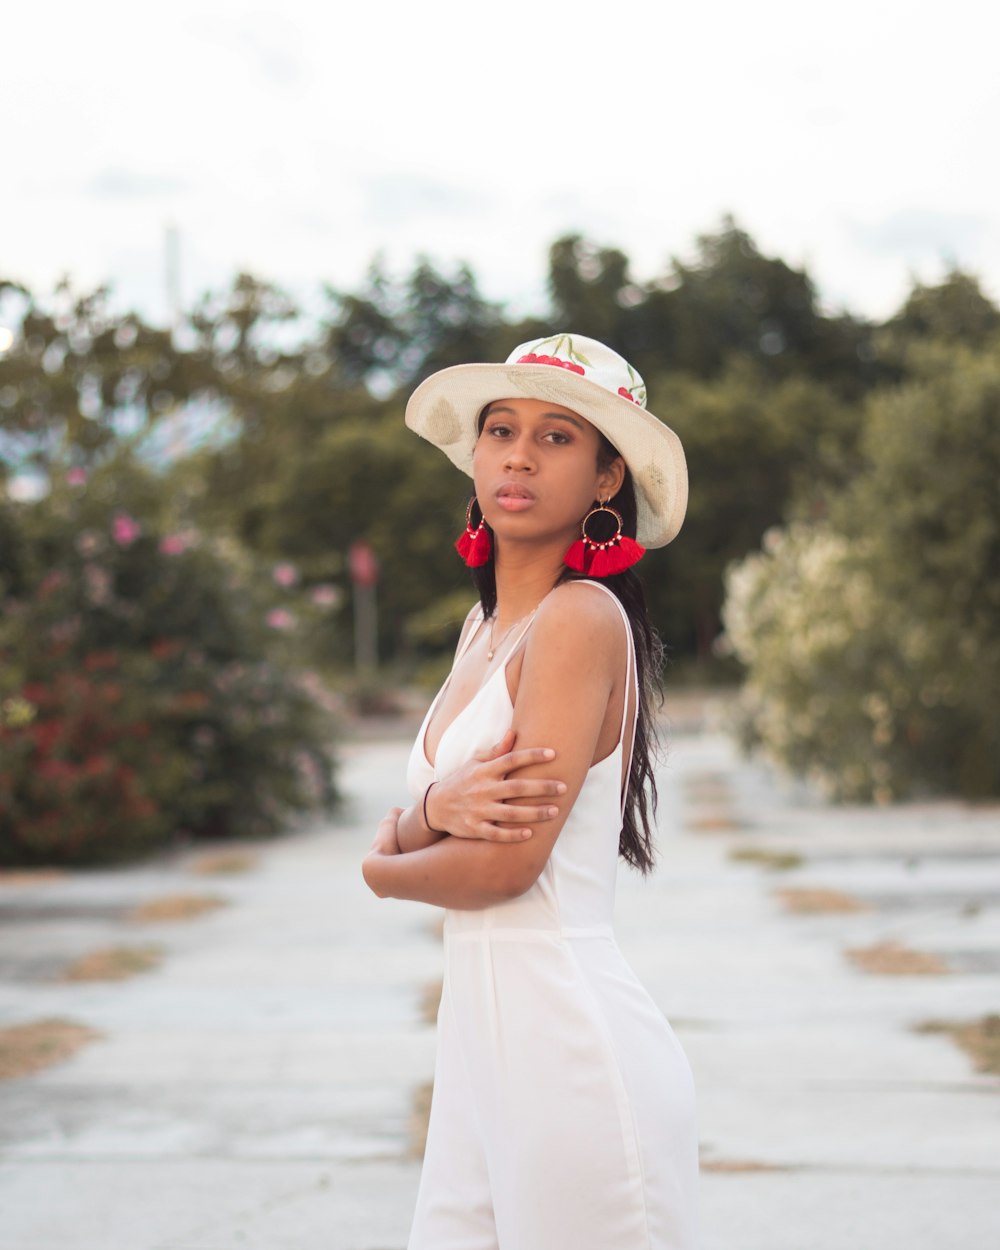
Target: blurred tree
<point>310,451</point>
<point>871,641</point>
<point>956,310</point>
<point>735,300</point>
<point>395,332</point>
<point>79,377</point>
<point>755,450</point>
<point>317,480</point>
<point>591,290</point>
<point>729,301</point>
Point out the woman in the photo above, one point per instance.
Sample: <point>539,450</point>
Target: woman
<point>562,1115</point>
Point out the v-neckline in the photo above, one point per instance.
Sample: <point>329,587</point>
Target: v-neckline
<point>619,746</point>
<point>458,715</point>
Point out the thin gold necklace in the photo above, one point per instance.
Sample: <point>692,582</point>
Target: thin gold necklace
<point>493,648</point>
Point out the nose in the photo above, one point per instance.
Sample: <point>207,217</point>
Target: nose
<point>518,456</point>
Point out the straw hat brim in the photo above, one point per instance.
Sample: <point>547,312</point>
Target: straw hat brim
<point>445,408</point>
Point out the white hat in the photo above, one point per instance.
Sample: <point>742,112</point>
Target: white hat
<point>574,372</point>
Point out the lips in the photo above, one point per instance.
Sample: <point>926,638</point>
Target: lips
<point>513,497</point>
<point>514,490</point>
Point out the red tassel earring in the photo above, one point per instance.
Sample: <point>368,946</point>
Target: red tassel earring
<point>474,545</point>
<point>603,559</point>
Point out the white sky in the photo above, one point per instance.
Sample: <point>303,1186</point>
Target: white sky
<point>297,139</point>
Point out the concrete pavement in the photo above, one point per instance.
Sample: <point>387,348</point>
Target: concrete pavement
<point>261,1087</point>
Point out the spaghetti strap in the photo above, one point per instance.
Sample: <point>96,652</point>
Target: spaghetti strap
<point>474,611</point>
<point>520,636</point>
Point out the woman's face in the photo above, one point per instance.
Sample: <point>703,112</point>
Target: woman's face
<point>536,472</point>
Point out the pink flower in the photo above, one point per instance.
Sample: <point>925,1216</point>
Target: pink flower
<point>278,618</point>
<point>325,596</point>
<point>125,529</point>
<point>173,544</point>
<point>285,574</point>
<point>76,477</point>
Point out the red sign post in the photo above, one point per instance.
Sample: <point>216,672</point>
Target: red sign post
<point>362,564</point>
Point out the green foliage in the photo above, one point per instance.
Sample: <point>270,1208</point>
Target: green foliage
<point>82,377</point>
<point>754,450</point>
<point>955,311</point>
<point>397,332</point>
<point>294,444</point>
<point>729,301</point>
<point>871,640</point>
<point>144,693</point>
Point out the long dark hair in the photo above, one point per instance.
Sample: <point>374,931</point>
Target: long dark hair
<point>635,845</point>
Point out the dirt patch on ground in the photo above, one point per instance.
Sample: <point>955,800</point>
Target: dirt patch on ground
<point>175,907</point>
<point>220,863</point>
<point>810,899</point>
<point>700,785</point>
<point>19,878</point>
<point>113,963</point>
<point>27,1048</point>
<point>418,1119</point>
<point>714,822</point>
<point>980,1039</point>
<point>711,799</point>
<point>776,861</point>
<point>890,959</point>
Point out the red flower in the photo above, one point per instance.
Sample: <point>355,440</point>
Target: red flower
<point>627,395</point>
<point>190,701</point>
<point>100,659</point>
<point>164,648</point>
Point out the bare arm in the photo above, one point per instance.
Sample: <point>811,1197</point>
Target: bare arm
<point>475,800</point>
<point>573,633</point>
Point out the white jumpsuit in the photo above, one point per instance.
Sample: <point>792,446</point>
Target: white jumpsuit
<point>563,1110</point>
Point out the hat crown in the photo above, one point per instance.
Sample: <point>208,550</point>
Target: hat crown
<point>586,357</point>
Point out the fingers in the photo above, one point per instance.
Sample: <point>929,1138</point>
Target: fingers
<point>501,748</point>
<point>522,758</point>
<point>530,788</point>
<point>504,815</point>
<point>502,833</point>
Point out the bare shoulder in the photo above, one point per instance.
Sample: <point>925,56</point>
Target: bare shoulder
<point>578,618</point>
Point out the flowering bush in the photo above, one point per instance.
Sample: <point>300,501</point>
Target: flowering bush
<point>142,694</point>
<point>824,695</point>
<point>870,640</point>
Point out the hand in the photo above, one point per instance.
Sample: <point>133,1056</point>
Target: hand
<point>386,841</point>
<point>471,801</point>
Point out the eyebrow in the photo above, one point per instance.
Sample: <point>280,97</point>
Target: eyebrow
<point>559,416</point>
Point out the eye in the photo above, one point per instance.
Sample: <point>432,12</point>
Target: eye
<point>497,429</point>
<point>559,437</point>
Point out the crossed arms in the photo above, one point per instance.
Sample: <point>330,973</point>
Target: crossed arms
<point>573,660</point>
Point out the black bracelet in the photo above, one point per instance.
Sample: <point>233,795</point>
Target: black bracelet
<point>426,821</point>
